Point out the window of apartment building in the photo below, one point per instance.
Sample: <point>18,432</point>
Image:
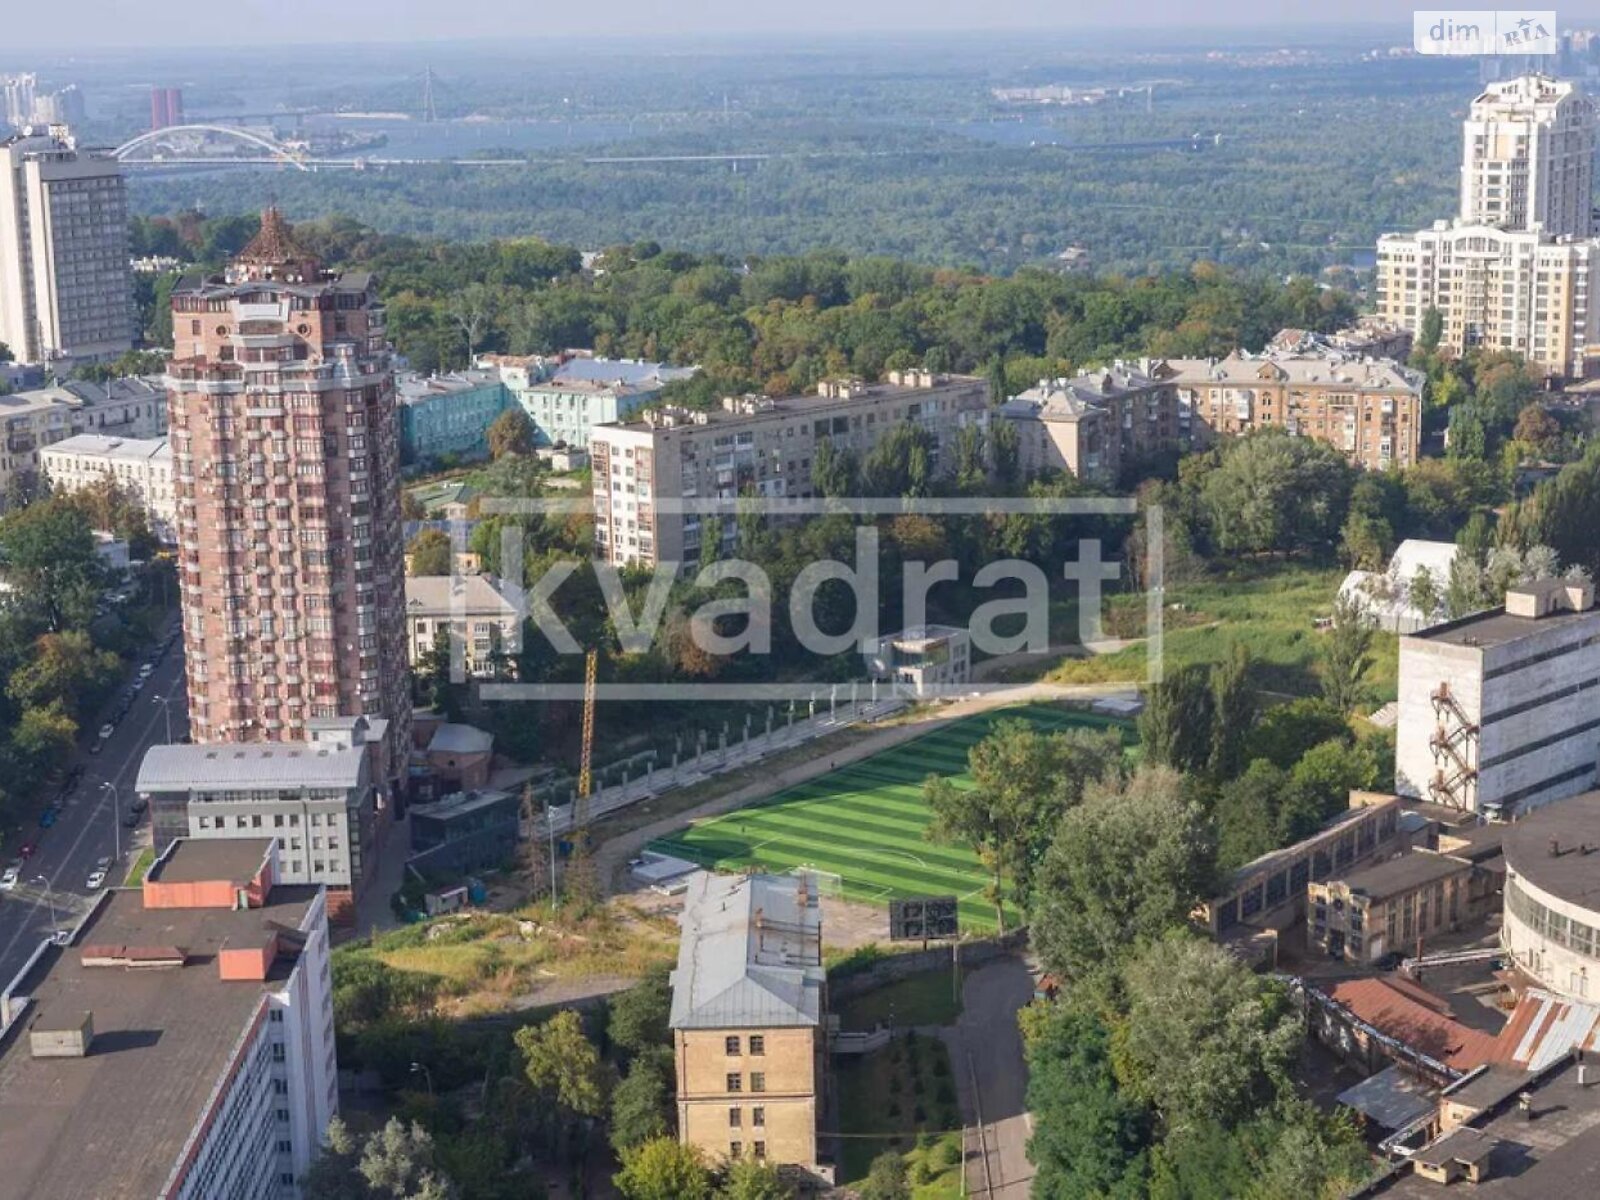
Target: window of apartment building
<point>758,1044</point>
<point>758,1081</point>
<point>758,1117</point>
<point>735,1149</point>
<point>730,1045</point>
<point>760,1151</point>
<point>735,1083</point>
<point>735,1117</point>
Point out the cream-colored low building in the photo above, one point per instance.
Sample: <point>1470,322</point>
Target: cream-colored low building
<point>141,467</point>
<point>749,1020</point>
<point>471,608</point>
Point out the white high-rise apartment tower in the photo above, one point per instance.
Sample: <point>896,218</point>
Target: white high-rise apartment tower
<point>1513,271</point>
<point>66,290</point>
<point>1527,158</point>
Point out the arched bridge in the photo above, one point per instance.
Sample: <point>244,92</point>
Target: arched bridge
<point>130,151</point>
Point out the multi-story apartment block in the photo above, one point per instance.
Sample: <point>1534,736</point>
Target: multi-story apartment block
<point>469,608</point>
<point>286,466</point>
<point>1512,271</point>
<point>1369,410</point>
<point>316,798</point>
<point>19,92</point>
<point>1502,290</point>
<point>1527,158</point>
<point>66,291</point>
<point>566,398</point>
<point>1497,710</point>
<point>33,420</point>
<point>645,470</point>
<point>448,415</point>
<point>749,1020</point>
<point>181,1045</point>
<point>1094,423</point>
<point>140,467</point>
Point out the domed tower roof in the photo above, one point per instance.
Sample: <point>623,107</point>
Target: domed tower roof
<point>274,254</point>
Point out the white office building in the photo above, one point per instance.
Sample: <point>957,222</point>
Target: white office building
<point>140,467</point>
<point>182,1044</point>
<point>1497,711</point>
<point>66,291</point>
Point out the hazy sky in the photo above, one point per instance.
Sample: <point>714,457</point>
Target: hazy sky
<point>237,22</point>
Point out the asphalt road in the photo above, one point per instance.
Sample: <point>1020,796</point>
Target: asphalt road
<point>996,1079</point>
<point>90,823</point>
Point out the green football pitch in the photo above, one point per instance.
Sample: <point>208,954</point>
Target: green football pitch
<point>865,822</point>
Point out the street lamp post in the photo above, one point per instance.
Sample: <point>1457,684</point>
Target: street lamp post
<point>166,708</point>
<point>116,818</point>
<point>418,1068</point>
<point>49,898</point>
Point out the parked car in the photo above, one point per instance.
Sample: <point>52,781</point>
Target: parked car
<point>48,817</point>
<point>147,670</point>
<point>26,851</point>
<point>139,805</point>
<point>138,684</point>
<point>131,821</point>
<point>96,878</point>
<point>106,731</point>
<point>10,876</point>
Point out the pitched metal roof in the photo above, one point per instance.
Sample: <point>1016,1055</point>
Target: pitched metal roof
<point>750,955</point>
<point>226,766</point>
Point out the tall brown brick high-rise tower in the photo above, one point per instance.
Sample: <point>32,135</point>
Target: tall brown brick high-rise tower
<point>285,455</point>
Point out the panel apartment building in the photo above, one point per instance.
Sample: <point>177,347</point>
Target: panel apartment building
<point>285,457</point>
<point>1498,711</point>
<point>1514,269</point>
<point>181,1046</point>
<point>749,1021</point>
<point>1370,410</point>
<point>66,290</point>
<point>753,445</point>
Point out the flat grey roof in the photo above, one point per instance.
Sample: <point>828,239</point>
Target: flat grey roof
<point>111,1125</point>
<point>1496,627</point>
<point>196,860</point>
<point>1573,824</point>
<point>1412,869</point>
<point>431,596</point>
<point>749,955</point>
<point>232,766</point>
<point>1554,1156</point>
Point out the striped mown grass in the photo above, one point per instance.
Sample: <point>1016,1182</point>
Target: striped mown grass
<point>865,822</point>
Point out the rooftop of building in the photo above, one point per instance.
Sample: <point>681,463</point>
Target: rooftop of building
<point>618,371</point>
<point>1408,1014</point>
<point>1557,849</point>
<point>98,445</point>
<point>237,860</point>
<point>459,804</point>
<point>831,393</point>
<point>1411,870</point>
<point>750,953</point>
<point>453,737</point>
<point>230,766</point>
<point>1496,627</point>
<point>1551,1151</point>
<point>1317,364</point>
<point>918,635</point>
<point>434,596</point>
<point>113,1124</point>
<point>413,388</point>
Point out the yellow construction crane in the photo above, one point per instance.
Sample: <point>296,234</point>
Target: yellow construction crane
<point>580,806</point>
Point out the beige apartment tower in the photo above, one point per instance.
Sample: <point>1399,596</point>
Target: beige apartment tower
<point>285,460</point>
<point>1527,159</point>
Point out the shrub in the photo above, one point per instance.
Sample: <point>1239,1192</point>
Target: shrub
<point>950,1153</point>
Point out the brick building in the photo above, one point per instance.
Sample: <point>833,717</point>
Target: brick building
<point>285,463</point>
<point>749,1020</point>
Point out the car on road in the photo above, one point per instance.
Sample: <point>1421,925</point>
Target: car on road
<point>103,863</point>
<point>96,878</point>
<point>147,670</point>
<point>48,817</point>
<point>26,851</point>
<point>138,684</point>
<point>62,937</point>
<point>106,731</point>
<point>9,878</point>
<point>131,821</point>
<point>139,805</point>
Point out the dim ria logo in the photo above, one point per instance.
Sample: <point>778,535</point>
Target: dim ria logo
<point>1464,31</point>
<point>730,608</point>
